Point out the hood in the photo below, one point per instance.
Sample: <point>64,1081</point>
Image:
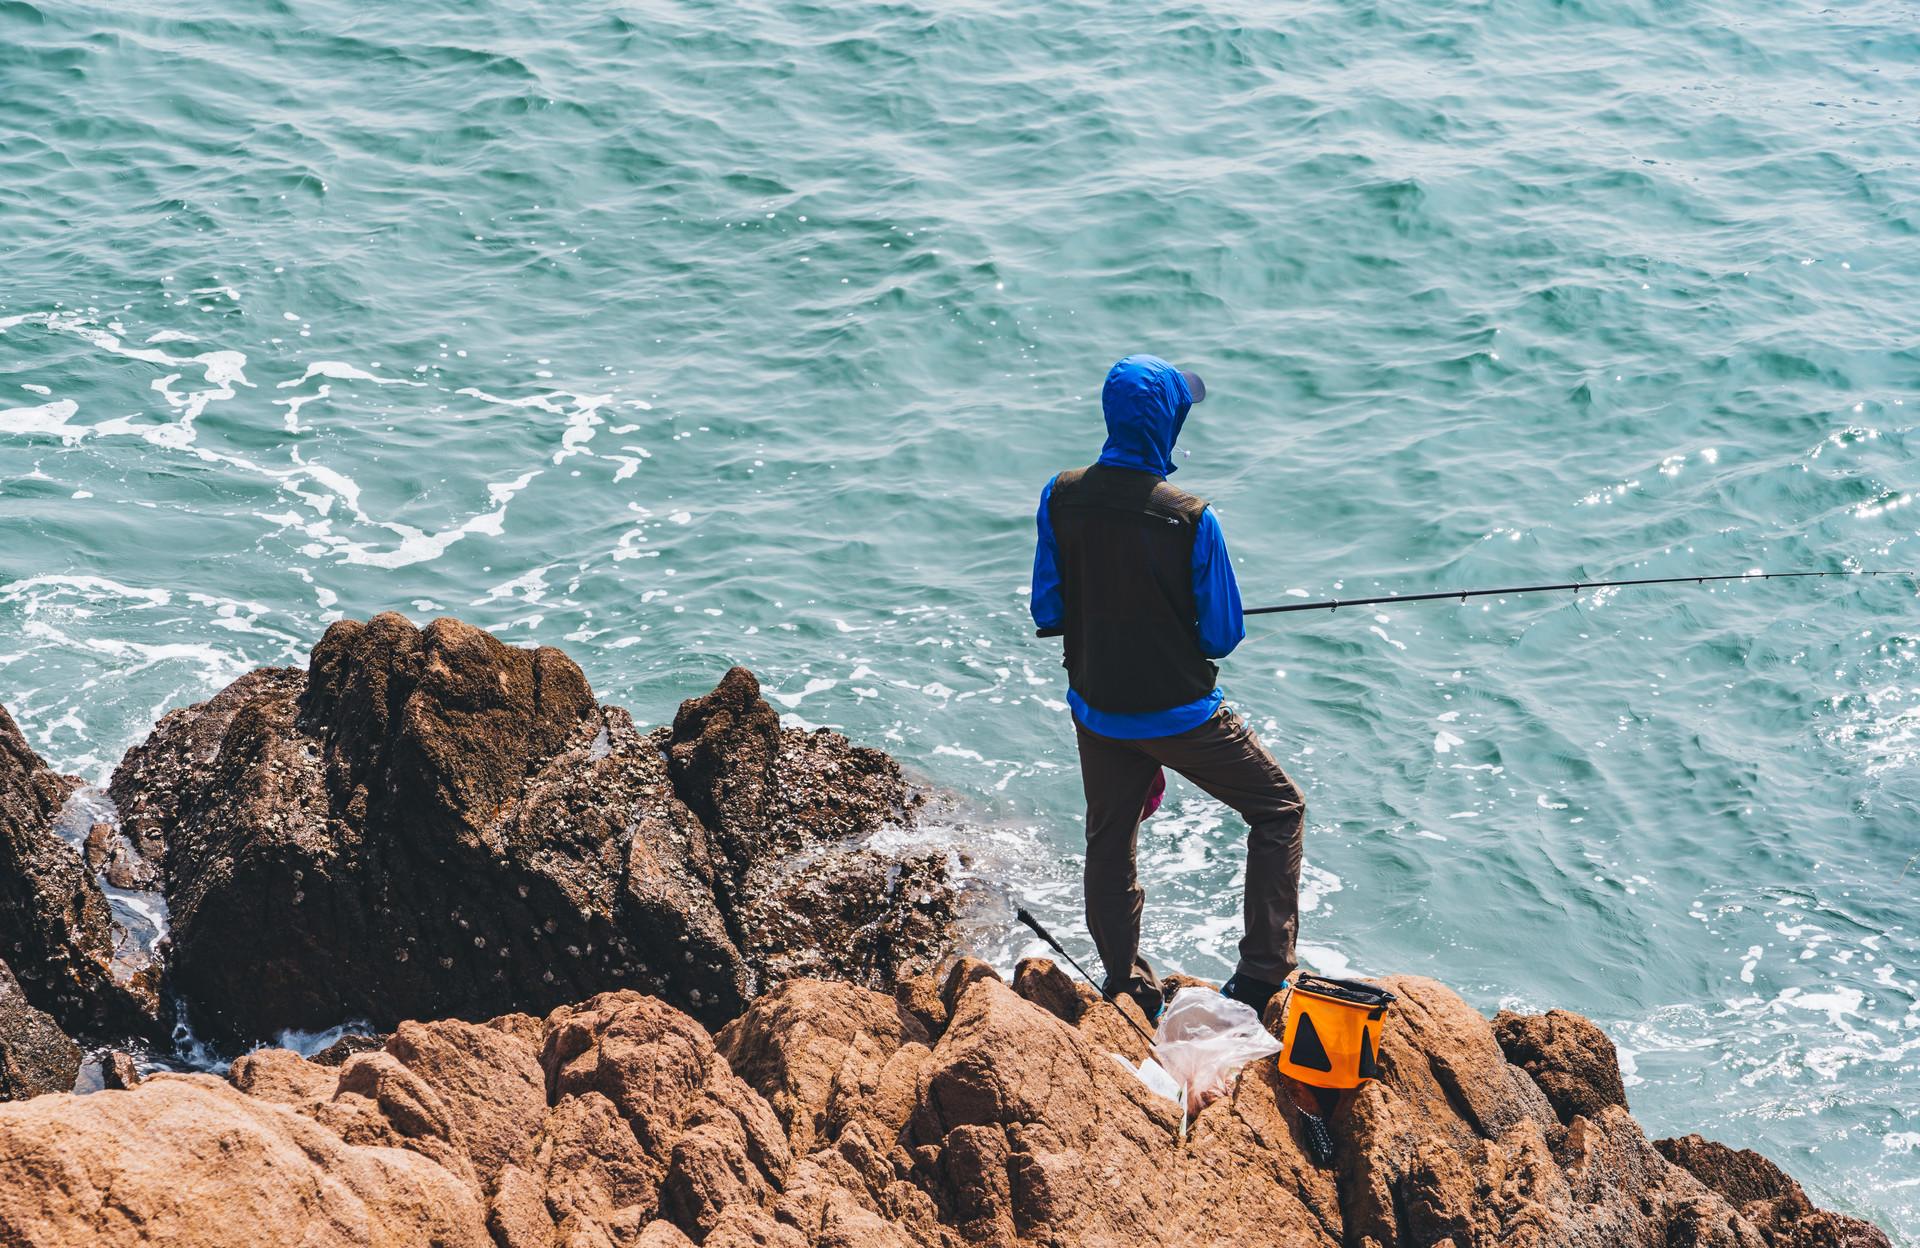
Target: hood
<point>1146,400</point>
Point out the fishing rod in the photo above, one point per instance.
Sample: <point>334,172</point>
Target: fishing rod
<point>1027,918</point>
<point>1334,604</point>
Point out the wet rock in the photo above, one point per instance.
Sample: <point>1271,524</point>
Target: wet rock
<point>191,1162</point>
<point>429,822</point>
<point>114,857</point>
<point>35,1055</point>
<point>337,1053</point>
<point>1571,1059</point>
<point>1767,1197</point>
<point>781,805</point>
<point>56,930</point>
<point>118,1071</point>
<point>161,777</point>
<point>98,847</point>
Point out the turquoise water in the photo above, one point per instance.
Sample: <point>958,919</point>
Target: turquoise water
<point>687,334</point>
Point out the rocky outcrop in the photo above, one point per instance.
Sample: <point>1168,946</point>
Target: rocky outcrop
<point>1571,1059</point>
<point>35,1055</point>
<point>832,1116</point>
<point>1454,1142</point>
<point>710,1014</point>
<point>56,931</point>
<point>157,777</point>
<point>429,822</point>
<point>188,1161</point>
<point>1767,1197</point>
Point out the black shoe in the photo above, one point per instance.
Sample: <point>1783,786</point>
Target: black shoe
<point>1250,991</point>
<point>1145,995</point>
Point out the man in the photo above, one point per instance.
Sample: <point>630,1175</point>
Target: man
<point>1134,573</point>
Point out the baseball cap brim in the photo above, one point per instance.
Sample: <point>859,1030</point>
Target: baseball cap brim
<point>1195,387</point>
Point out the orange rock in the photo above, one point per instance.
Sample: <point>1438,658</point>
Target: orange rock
<point>191,1162</point>
<point>1571,1059</point>
<point>829,1116</point>
<point>1768,1198</point>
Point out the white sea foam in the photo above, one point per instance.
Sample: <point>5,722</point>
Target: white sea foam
<point>82,585</point>
<point>298,401</point>
<point>817,684</point>
<point>529,586</point>
<point>48,418</point>
<point>342,371</point>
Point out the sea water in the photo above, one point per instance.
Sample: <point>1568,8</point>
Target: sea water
<point>682,335</point>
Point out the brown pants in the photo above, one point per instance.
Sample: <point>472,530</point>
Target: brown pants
<point>1223,757</point>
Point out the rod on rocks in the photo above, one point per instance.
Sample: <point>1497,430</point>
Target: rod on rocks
<point>1026,917</point>
<point>1334,604</point>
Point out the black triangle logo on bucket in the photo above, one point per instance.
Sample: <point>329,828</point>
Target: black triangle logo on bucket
<point>1308,1052</point>
<point>1368,1068</point>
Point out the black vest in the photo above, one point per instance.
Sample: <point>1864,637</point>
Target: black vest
<point>1125,542</point>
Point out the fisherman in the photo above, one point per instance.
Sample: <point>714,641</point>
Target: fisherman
<point>1134,574</point>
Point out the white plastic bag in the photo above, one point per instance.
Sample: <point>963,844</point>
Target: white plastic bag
<point>1204,1039</point>
<point>1158,1081</point>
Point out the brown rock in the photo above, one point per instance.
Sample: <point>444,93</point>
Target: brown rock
<point>159,779</point>
<point>1453,1143</point>
<point>820,1053</point>
<point>430,822</point>
<point>1571,1059</point>
<point>490,1081</point>
<point>920,996</point>
<point>1767,1197</point>
<point>708,1138</point>
<point>119,1072</point>
<point>517,1216</point>
<point>1075,1002</point>
<point>823,1118</point>
<point>190,1162</point>
<point>35,1055</point>
<point>600,1184</point>
<point>378,1100</point>
<point>337,1053</point>
<point>283,1077</point>
<point>961,974</point>
<point>56,930</point>
<point>1025,1130</point>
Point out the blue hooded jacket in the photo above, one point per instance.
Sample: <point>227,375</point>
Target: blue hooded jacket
<point>1146,401</point>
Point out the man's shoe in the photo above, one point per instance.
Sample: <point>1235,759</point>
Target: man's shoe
<point>1147,996</point>
<point>1249,991</point>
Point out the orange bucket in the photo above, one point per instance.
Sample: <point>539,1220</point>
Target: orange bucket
<point>1331,1038</point>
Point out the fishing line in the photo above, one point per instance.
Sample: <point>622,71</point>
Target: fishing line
<point>1334,604</point>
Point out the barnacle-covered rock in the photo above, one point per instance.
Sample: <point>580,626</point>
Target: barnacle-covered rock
<point>430,822</point>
